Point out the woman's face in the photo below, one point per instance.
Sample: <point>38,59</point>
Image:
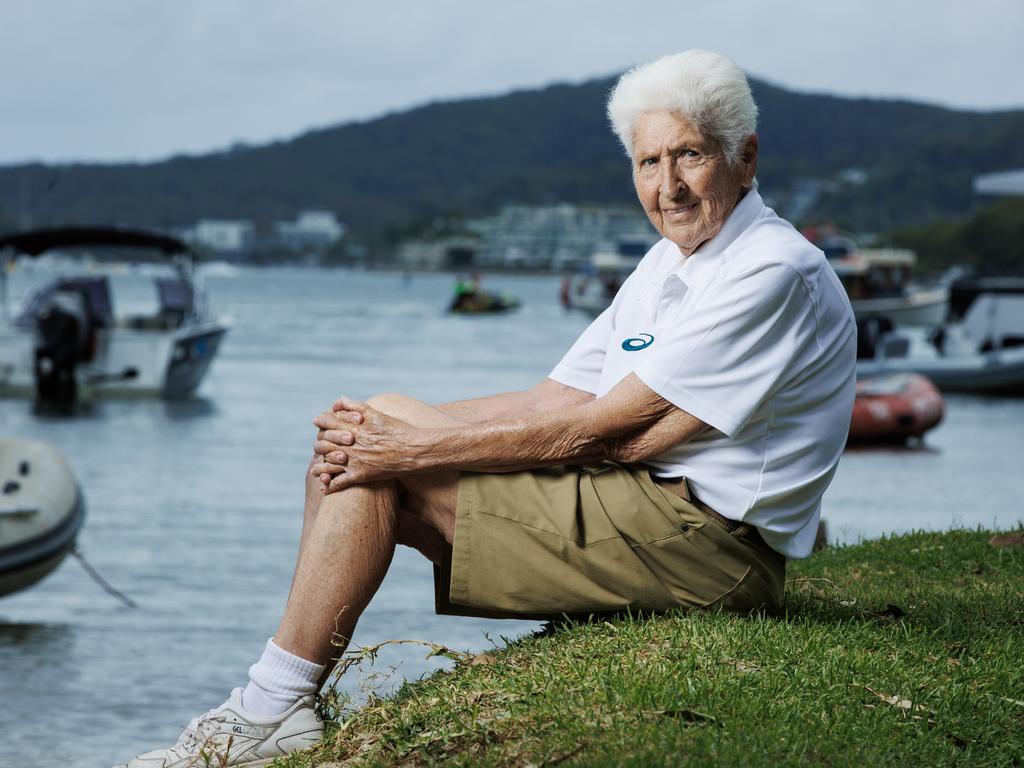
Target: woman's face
<point>683,180</point>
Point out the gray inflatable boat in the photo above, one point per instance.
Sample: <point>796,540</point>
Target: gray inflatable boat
<point>41,512</point>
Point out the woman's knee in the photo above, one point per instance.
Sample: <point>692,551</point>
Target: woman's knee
<point>409,410</point>
<point>393,404</point>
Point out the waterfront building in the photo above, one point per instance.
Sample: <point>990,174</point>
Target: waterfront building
<point>311,231</point>
<point>556,237</point>
<point>224,236</point>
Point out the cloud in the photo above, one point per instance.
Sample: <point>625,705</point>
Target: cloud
<point>121,79</point>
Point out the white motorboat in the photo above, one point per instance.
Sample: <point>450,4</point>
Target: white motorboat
<point>67,344</point>
<point>991,309</point>
<point>592,290</point>
<point>949,357</point>
<point>877,280</point>
<point>41,512</point>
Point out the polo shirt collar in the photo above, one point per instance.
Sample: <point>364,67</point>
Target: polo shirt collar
<point>697,269</point>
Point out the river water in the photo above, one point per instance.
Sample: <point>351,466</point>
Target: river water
<point>194,508</point>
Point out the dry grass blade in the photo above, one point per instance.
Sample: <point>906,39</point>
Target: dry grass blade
<point>1000,540</point>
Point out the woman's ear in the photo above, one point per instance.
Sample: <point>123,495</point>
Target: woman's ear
<point>748,159</point>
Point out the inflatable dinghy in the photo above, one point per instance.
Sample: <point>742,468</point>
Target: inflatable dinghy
<point>41,512</point>
<point>894,408</point>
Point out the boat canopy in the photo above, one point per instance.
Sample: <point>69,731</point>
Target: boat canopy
<point>36,242</point>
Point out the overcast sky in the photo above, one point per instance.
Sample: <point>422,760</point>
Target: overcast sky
<point>140,79</point>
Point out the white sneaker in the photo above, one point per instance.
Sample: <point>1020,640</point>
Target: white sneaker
<point>229,736</point>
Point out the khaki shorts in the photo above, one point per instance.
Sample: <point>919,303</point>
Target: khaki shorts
<point>589,540</point>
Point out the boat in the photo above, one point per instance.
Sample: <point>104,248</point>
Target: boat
<point>483,303</point>
<point>946,354</point>
<point>877,280</point>
<point>894,408</point>
<point>592,289</point>
<point>991,309</point>
<point>41,512</point>
<point>67,344</point>
<point>471,299</point>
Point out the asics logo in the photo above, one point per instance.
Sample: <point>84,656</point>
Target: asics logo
<point>256,731</point>
<point>640,341</point>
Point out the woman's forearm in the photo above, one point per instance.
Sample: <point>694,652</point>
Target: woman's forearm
<point>481,409</point>
<point>588,431</point>
<point>507,444</point>
<point>629,424</point>
<point>373,446</point>
<point>546,396</point>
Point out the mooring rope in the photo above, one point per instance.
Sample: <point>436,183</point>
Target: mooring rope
<point>101,581</point>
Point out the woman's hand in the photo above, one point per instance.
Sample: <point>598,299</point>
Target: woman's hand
<point>359,444</point>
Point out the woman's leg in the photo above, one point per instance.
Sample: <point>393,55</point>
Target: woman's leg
<point>346,551</point>
<point>348,540</point>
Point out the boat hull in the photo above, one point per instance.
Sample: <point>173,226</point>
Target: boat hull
<point>128,362</point>
<point>917,308</point>
<point>1000,372</point>
<point>41,512</point>
<point>894,408</point>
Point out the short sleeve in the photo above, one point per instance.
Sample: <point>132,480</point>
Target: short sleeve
<point>722,357</point>
<point>581,366</point>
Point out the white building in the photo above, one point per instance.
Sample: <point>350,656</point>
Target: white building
<point>223,235</point>
<point>311,230</point>
<point>1001,183</point>
<point>557,237</point>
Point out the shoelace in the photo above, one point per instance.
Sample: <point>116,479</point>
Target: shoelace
<point>199,730</point>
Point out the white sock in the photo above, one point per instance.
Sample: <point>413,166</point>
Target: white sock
<point>278,680</point>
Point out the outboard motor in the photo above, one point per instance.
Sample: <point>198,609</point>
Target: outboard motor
<point>64,338</point>
<point>870,331</point>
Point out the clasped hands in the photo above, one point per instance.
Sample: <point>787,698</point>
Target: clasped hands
<point>355,444</point>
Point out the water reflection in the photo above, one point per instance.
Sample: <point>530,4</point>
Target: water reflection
<point>193,408</point>
<point>48,639</point>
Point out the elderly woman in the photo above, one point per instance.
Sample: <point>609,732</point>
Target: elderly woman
<point>674,458</point>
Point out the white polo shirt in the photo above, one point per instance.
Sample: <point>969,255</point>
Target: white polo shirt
<point>754,335</point>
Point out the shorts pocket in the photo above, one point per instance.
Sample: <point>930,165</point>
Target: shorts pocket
<point>639,511</point>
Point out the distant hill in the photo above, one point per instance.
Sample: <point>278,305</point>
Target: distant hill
<point>469,157</point>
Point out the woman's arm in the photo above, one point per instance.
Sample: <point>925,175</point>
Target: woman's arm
<point>628,424</point>
<point>545,396</point>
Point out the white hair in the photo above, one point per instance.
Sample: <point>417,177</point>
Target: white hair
<point>704,87</point>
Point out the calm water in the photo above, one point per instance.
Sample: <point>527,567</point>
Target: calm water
<point>194,508</point>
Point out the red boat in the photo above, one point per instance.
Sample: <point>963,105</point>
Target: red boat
<point>894,408</point>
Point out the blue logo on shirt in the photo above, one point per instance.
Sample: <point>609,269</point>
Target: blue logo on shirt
<point>636,344</point>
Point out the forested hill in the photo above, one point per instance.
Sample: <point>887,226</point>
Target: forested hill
<point>469,157</point>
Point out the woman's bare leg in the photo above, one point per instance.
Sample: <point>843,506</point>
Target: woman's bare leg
<point>346,552</point>
<point>348,540</point>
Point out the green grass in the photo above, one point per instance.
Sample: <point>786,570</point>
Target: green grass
<point>903,651</point>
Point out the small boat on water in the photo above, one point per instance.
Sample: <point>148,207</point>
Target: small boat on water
<point>877,280</point>
<point>470,299</point>
<point>990,372</point>
<point>41,512</point>
<point>592,289</point>
<point>483,303</point>
<point>982,353</point>
<point>66,343</point>
<point>894,408</point>
<point>990,309</point>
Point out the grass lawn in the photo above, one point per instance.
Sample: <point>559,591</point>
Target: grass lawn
<point>903,651</point>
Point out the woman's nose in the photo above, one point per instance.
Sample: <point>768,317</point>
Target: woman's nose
<point>671,179</point>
